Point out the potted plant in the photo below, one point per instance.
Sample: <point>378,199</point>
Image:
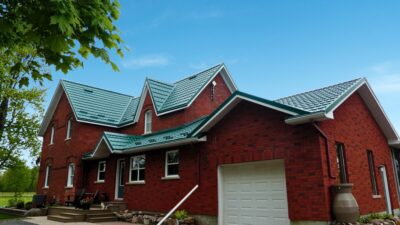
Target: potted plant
<point>183,218</point>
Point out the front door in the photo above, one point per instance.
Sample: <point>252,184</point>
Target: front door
<point>119,179</point>
<point>382,170</point>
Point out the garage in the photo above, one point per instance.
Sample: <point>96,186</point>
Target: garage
<point>253,193</point>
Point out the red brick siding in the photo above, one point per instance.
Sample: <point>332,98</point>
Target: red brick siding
<point>248,133</point>
<point>355,127</point>
<point>83,139</point>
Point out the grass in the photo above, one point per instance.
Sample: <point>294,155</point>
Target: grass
<point>5,196</point>
<point>7,217</point>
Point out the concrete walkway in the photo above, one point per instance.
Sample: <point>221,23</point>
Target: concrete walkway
<point>42,220</point>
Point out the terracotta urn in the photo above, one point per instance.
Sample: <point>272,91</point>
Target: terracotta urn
<point>345,206</point>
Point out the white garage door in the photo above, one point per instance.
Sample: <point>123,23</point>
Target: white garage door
<point>253,194</point>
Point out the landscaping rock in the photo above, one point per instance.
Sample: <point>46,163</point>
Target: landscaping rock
<point>33,212</point>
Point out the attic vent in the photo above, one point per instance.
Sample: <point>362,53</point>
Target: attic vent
<point>192,77</point>
<point>152,140</point>
<point>138,143</point>
<point>167,137</point>
<point>88,91</point>
<point>184,133</point>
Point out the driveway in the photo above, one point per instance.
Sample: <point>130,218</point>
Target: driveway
<point>42,220</point>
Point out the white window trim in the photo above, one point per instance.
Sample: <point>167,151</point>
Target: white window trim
<point>52,135</point>
<point>46,178</point>
<point>166,176</point>
<point>148,119</point>
<point>98,171</point>
<point>69,127</point>
<point>70,178</point>
<point>137,170</point>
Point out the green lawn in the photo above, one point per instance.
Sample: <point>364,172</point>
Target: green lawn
<point>7,217</point>
<point>5,196</point>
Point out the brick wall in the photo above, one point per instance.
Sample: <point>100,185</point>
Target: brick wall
<point>355,127</point>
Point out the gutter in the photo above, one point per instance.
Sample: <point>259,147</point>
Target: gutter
<point>394,143</point>
<point>318,116</point>
<point>327,152</point>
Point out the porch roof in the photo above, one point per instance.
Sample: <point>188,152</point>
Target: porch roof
<point>127,144</point>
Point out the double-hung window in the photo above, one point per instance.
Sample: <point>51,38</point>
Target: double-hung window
<point>71,172</point>
<point>371,165</point>
<point>137,169</point>
<point>52,135</point>
<point>172,164</point>
<point>47,177</point>
<point>147,121</point>
<point>101,172</point>
<point>69,129</point>
<point>341,162</point>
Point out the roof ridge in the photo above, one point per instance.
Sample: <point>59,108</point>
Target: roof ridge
<point>318,89</point>
<point>68,81</point>
<point>161,82</point>
<point>210,68</point>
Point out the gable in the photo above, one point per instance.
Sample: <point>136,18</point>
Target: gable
<point>168,98</point>
<point>322,103</point>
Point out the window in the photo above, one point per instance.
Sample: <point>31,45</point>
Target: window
<point>52,135</point>
<point>101,173</point>
<point>340,158</point>
<point>147,121</point>
<point>71,172</point>
<point>371,165</point>
<point>172,164</point>
<point>47,178</point>
<point>138,167</point>
<point>69,129</point>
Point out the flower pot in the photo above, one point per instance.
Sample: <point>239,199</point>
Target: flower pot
<point>345,206</point>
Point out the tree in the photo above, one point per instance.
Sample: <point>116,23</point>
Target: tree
<point>17,179</point>
<point>61,30</point>
<point>21,107</point>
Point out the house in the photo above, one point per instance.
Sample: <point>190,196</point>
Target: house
<point>247,159</point>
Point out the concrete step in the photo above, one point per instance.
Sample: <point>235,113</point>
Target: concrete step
<point>93,215</point>
<point>102,219</point>
<point>76,216</point>
<point>63,219</point>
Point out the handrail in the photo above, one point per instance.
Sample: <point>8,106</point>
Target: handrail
<point>177,205</point>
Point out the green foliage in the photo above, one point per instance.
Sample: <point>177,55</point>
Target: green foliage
<point>28,205</point>
<point>374,216</point>
<point>21,107</point>
<point>181,214</point>
<point>62,32</point>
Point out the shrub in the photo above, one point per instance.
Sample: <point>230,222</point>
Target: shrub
<point>28,205</point>
<point>12,202</point>
<point>20,205</point>
<point>181,214</point>
<point>373,216</point>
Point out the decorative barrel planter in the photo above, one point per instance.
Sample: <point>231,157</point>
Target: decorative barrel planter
<point>345,206</point>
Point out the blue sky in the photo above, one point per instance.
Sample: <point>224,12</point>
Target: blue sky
<point>272,49</point>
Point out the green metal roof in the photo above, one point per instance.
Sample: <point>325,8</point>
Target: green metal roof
<point>323,99</point>
<point>167,97</point>
<point>100,106</point>
<point>123,142</point>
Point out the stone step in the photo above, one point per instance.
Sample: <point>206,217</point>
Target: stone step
<point>102,219</point>
<point>76,216</point>
<point>93,215</point>
<point>59,218</point>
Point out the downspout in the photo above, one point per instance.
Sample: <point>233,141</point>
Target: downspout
<point>327,152</point>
